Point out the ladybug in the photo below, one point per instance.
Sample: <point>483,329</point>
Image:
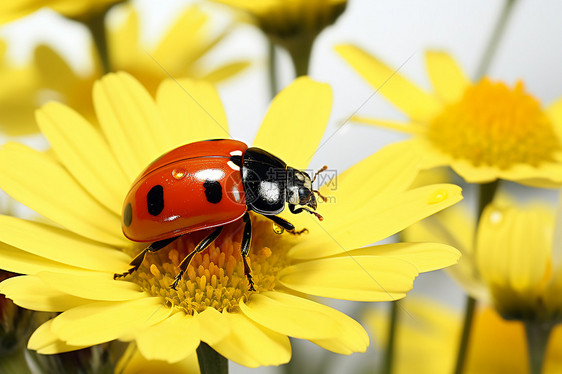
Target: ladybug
<point>208,184</point>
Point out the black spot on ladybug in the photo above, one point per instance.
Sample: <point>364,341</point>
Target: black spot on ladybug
<point>213,140</point>
<point>213,191</point>
<point>155,200</point>
<point>128,215</point>
<point>237,160</point>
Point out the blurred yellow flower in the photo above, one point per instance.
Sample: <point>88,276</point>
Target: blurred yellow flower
<point>427,338</point>
<point>514,263</point>
<point>180,53</point>
<point>484,130</point>
<point>80,10</point>
<point>292,24</point>
<point>287,19</point>
<point>69,267</point>
<point>18,96</point>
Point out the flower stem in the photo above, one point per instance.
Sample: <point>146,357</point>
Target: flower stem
<point>486,195</point>
<point>272,67</point>
<point>537,341</point>
<point>497,34</point>
<point>96,25</point>
<point>300,50</point>
<point>14,363</point>
<point>210,361</point>
<point>391,339</point>
<point>465,337</point>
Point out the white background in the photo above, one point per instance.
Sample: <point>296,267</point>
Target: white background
<point>394,30</point>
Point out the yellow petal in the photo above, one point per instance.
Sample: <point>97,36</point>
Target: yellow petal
<point>123,41</point>
<point>37,181</point>
<point>416,103</point>
<point>84,152</point>
<point>102,321</point>
<point>226,71</point>
<point>214,326</point>
<point>55,72</point>
<point>513,249</point>
<point>171,340</point>
<point>405,127</point>
<point>351,338</point>
<point>375,220</point>
<point>187,31</point>
<point>130,121</point>
<point>388,171</point>
<point>361,278</point>
<point>93,286</point>
<point>30,292</point>
<point>252,345</point>
<point>44,341</point>
<point>296,121</point>
<point>192,111</point>
<point>60,245</point>
<point>424,256</point>
<point>135,363</point>
<point>448,79</point>
<point>17,261</point>
<point>290,315</point>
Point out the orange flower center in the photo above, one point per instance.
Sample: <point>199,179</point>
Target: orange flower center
<point>215,278</point>
<point>494,125</point>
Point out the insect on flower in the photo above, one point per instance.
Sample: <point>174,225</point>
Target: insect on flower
<point>209,184</point>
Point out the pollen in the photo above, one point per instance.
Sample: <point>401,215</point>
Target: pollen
<point>495,125</point>
<point>215,278</point>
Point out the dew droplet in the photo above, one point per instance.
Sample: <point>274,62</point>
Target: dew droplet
<point>496,217</point>
<point>178,173</point>
<point>437,196</point>
<point>278,229</point>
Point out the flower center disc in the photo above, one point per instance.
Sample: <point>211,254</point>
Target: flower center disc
<point>215,278</point>
<point>496,126</point>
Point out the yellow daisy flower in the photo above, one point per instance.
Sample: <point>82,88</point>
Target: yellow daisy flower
<point>69,266</point>
<point>83,9</point>
<point>513,263</point>
<point>179,53</point>
<point>484,130</point>
<point>427,343</point>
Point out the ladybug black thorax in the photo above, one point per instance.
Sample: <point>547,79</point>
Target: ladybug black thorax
<point>264,179</point>
<point>269,183</point>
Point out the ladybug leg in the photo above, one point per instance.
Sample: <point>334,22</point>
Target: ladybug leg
<point>245,249</point>
<point>288,226</point>
<point>296,210</point>
<point>137,261</point>
<point>203,244</point>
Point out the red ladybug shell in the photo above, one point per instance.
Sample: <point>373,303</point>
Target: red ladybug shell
<point>193,187</point>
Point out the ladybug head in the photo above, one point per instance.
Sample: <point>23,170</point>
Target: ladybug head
<point>299,189</point>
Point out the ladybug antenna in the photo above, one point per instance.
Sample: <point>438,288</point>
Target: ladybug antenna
<point>320,218</point>
<point>324,198</point>
<point>324,168</point>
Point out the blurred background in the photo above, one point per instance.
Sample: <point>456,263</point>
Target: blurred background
<point>397,31</point>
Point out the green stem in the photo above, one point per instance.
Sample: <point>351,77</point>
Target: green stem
<point>495,38</point>
<point>465,336</point>
<point>391,339</point>
<point>210,361</point>
<point>14,363</point>
<point>96,25</point>
<point>300,50</point>
<point>272,67</point>
<point>486,195</point>
<point>537,341</point>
